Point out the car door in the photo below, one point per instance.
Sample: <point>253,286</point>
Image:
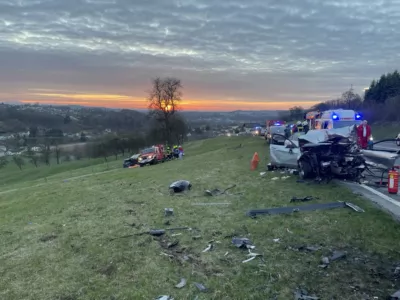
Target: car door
<point>283,152</point>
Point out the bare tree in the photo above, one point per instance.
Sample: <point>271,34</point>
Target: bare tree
<point>164,99</point>
<point>19,161</point>
<point>32,157</point>
<point>57,151</point>
<point>3,162</point>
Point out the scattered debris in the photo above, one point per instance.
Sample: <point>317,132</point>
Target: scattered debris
<point>304,199</point>
<point>48,238</point>
<point>276,240</point>
<point>325,261</point>
<point>164,298</point>
<point>196,237</point>
<point>180,186</point>
<point>176,234</point>
<point>201,287</point>
<point>263,173</point>
<point>312,207</point>
<point>181,284</point>
<point>302,294</point>
<point>285,177</point>
<point>243,243</point>
<point>211,203</point>
<point>217,192</point>
<point>252,256</point>
<point>336,255</point>
<point>209,248</point>
<point>157,232</point>
<point>172,244</point>
<point>168,212</point>
<point>287,229</point>
<point>309,248</point>
<point>275,178</point>
<point>226,253</point>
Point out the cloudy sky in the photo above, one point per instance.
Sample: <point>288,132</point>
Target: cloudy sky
<point>234,54</point>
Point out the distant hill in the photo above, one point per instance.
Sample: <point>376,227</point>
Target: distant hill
<point>70,119</point>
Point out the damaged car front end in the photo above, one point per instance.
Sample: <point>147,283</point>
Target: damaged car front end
<point>321,154</point>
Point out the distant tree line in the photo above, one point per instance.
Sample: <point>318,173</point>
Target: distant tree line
<point>381,101</point>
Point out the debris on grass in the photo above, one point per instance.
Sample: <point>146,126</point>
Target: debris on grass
<point>181,283</point>
<point>302,294</point>
<point>287,229</point>
<point>201,287</point>
<point>168,212</point>
<point>180,186</point>
<point>252,256</point>
<point>395,296</point>
<point>325,261</point>
<point>176,234</point>
<point>276,240</point>
<point>263,173</point>
<point>309,248</point>
<point>211,203</point>
<point>47,238</point>
<point>157,232</point>
<point>243,243</point>
<point>217,192</point>
<point>304,199</point>
<point>164,298</point>
<point>311,207</point>
<point>196,237</point>
<point>172,244</point>
<point>275,178</point>
<point>209,248</point>
<point>336,255</point>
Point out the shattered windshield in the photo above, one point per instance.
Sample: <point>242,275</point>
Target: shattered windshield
<point>342,124</point>
<point>148,150</point>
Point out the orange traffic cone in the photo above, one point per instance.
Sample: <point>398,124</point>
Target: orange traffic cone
<point>254,161</point>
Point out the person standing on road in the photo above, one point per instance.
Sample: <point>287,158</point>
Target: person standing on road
<point>363,134</point>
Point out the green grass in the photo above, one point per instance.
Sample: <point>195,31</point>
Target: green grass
<point>55,237</point>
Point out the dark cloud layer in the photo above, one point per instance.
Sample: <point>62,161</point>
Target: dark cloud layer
<point>273,50</point>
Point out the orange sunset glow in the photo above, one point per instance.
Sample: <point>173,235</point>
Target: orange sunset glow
<point>128,102</point>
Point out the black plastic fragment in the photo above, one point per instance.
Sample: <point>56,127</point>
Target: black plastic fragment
<point>180,186</point>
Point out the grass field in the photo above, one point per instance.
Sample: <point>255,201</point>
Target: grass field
<point>55,237</point>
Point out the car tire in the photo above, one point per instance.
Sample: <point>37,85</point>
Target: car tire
<point>305,169</point>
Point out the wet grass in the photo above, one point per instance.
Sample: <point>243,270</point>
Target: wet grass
<point>55,238</point>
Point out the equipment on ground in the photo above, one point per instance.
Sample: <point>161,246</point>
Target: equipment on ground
<point>393,182</point>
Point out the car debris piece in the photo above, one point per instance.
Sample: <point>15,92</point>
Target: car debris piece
<point>157,232</point>
<point>211,203</point>
<point>180,186</point>
<point>325,261</point>
<point>209,248</point>
<point>311,207</point>
<point>164,298</point>
<point>304,199</point>
<point>302,294</point>
<point>243,243</point>
<point>172,244</point>
<point>252,256</point>
<point>276,240</point>
<point>181,284</point>
<point>201,287</point>
<point>395,296</point>
<point>217,192</point>
<point>354,207</point>
<point>309,248</point>
<point>168,212</point>
<point>336,255</point>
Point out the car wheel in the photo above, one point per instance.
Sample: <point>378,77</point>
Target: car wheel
<point>270,167</point>
<point>305,169</point>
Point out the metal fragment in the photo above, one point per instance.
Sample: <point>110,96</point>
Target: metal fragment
<point>181,284</point>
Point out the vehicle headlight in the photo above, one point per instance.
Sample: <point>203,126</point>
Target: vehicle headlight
<point>371,138</point>
<point>140,159</point>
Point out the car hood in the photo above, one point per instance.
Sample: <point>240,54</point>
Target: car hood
<point>324,135</point>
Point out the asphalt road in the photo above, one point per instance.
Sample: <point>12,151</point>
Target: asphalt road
<point>387,146</point>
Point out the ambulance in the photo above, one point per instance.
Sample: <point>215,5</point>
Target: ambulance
<point>336,118</point>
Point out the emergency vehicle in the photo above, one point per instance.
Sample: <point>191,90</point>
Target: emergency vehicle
<point>336,118</point>
<point>152,155</point>
<point>273,127</point>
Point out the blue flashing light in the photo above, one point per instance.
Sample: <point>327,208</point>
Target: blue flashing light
<point>277,124</point>
<point>358,117</point>
<point>335,117</point>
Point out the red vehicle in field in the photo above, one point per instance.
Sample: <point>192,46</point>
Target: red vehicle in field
<point>152,155</point>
